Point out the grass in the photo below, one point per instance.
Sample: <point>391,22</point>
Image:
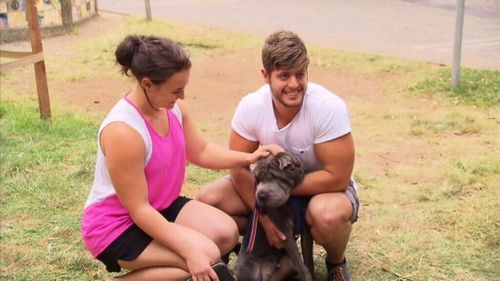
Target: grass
<point>427,164</point>
<point>46,167</point>
<point>476,87</point>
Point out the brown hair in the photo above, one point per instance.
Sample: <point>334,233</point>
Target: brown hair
<point>151,57</point>
<point>284,49</point>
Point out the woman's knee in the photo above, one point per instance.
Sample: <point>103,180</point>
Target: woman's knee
<point>213,252</point>
<point>225,235</point>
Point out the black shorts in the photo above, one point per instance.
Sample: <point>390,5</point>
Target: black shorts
<point>132,242</point>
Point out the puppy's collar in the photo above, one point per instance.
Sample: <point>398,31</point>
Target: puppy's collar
<point>253,221</point>
<point>259,208</point>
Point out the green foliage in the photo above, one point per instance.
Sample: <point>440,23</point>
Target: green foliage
<point>46,171</point>
<point>366,65</point>
<point>454,123</point>
<point>200,176</point>
<point>477,87</point>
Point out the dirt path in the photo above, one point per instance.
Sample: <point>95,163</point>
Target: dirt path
<point>217,84</point>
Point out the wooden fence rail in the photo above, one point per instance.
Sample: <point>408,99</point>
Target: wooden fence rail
<point>22,59</point>
<point>34,57</point>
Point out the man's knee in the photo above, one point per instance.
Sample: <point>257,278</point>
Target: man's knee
<point>331,213</point>
<point>206,197</point>
<point>212,193</point>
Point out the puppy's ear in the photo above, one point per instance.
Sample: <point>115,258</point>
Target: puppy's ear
<point>292,164</point>
<point>284,160</point>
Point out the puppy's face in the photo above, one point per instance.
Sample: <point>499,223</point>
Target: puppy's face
<point>276,175</point>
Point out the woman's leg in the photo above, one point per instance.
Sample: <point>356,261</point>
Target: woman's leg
<point>155,273</point>
<point>211,222</point>
<point>211,230</point>
<point>223,195</point>
<point>157,262</point>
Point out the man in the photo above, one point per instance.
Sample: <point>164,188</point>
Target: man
<point>309,121</point>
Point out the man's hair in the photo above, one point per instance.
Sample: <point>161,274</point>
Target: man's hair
<point>284,49</point>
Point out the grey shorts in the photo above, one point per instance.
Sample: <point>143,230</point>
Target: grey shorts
<point>352,194</point>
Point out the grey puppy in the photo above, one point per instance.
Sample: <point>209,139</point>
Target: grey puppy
<point>276,176</point>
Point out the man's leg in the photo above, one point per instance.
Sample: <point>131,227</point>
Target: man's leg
<point>223,195</point>
<point>329,215</point>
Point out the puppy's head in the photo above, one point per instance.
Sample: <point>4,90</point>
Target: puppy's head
<point>276,175</point>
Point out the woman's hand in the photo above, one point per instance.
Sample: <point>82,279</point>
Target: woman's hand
<point>274,236</point>
<point>199,267</point>
<point>264,151</point>
<point>258,154</point>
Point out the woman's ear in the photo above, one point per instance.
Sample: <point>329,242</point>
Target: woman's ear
<point>146,83</point>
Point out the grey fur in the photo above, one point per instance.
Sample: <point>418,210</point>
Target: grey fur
<point>276,176</point>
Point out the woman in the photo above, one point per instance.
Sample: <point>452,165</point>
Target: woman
<point>135,217</point>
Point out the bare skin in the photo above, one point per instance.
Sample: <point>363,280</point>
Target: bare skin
<point>201,233</point>
<point>329,210</point>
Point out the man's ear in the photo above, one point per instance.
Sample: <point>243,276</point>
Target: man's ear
<point>146,83</point>
<point>265,75</point>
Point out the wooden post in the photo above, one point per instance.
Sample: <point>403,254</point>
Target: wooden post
<point>147,3</point>
<point>457,44</point>
<point>40,73</point>
<point>66,13</point>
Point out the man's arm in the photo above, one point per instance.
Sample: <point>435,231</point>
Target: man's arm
<point>337,159</point>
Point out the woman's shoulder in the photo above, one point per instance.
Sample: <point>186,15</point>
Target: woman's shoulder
<point>123,111</point>
<point>124,122</point>
<point>122,114</point>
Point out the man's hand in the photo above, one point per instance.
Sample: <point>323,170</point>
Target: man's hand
<point>273,148</point>
<point>274,236</point>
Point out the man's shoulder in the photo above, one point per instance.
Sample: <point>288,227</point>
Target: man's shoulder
<point>257,97</point>
<point>319,95</point>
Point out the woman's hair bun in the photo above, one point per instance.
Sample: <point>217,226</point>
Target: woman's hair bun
<point>127,49</point>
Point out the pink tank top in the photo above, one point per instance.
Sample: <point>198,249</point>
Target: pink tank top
<point>103,221</point>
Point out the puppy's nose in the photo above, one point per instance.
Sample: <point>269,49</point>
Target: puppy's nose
<point>262,196</point>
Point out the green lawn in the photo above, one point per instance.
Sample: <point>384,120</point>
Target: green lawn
<point>432,218</point>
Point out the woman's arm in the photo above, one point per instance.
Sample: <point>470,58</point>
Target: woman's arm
<point>124,149</point>
<point>212,156</point>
